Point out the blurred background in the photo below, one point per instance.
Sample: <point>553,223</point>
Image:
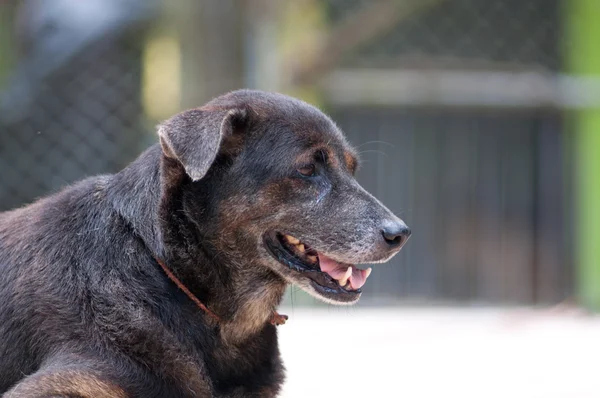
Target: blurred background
<point>478,122</point>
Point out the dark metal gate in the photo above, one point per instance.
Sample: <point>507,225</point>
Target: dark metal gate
<point>483,192</point>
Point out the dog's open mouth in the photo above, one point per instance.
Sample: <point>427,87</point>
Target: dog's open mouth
<point>333,279</point>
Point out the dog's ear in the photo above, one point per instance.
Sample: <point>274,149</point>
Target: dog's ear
<point>195,137</point>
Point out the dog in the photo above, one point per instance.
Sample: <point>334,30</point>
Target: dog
<point>162,280</point>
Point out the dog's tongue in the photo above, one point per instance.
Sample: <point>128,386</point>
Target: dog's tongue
<point>342,272</point>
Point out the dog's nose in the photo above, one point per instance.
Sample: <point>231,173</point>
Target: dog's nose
<point>395,234</point>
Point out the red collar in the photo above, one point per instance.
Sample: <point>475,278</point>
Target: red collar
<point>276,319</point>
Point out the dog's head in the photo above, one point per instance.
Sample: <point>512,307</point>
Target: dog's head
<point>269,181</point>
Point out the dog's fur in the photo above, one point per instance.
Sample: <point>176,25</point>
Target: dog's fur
<point>85,309</point>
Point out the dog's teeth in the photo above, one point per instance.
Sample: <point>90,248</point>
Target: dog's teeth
<point>368,272</point>
<point>292,240</point>
<point>313,259</point>
<point>346,276</point>
<point>300,248</point>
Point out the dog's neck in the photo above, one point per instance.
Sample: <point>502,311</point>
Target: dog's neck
<point>148,197</point>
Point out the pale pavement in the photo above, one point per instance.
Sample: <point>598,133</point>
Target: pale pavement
<point>440,352</point>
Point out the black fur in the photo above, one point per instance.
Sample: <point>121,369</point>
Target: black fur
<point>82,295</point>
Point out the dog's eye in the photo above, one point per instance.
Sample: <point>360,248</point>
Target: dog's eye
<point>307,171</point>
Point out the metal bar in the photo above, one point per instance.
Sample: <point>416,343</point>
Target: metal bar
<point>461,88</point>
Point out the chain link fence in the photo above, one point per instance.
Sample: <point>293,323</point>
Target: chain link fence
<point>461,33</point>
<point>71,106</point>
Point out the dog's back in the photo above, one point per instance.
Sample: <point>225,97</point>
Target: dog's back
<point>74,278</point>
<point>42,294</point>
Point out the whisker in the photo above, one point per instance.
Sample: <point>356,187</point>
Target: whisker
<point>374,150</point>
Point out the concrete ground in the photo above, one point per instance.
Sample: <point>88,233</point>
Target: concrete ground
<point>440,352</point>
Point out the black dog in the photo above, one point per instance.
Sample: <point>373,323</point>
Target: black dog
<point>162,280</point>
